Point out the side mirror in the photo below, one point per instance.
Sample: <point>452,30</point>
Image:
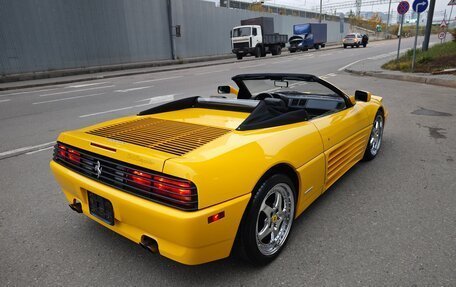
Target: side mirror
<point>224,89</point>
<point>362,96</point>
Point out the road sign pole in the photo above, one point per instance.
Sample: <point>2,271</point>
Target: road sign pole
<point>416,39</point>
<point>400,37</point>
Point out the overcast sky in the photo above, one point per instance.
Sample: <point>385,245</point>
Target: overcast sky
<point>440,5</point>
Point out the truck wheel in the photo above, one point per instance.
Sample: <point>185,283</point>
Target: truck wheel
<point>345,46</point>
<point>317,47</point>
<point>263,52</point>
<point>279,50</point>
<point>274,50</point>
<point>323,45</point>
<point>257,52</point>
<point>239,56</point>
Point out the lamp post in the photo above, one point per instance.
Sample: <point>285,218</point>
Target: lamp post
<point>321,3</point>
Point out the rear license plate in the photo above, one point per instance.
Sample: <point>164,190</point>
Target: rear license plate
<point>101,208</point>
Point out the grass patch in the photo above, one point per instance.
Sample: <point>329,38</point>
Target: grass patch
<point>438,57</point>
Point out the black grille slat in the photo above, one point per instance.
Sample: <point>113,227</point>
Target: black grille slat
<point>173,137</point>
<point>115,173</point>
<point>241,45</point>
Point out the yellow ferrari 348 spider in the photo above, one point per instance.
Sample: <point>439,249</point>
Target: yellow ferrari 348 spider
<point>192,178</point>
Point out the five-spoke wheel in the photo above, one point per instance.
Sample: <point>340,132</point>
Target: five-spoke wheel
<point>375,139</point>
<point>268,219</point>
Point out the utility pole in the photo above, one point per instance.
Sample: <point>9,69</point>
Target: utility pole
<point>227,3</point>
<point>321,4</point>
<point>388,20</point>
<point>427,33</point>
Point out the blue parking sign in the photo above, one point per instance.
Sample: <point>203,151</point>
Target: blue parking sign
<point>419,6</point>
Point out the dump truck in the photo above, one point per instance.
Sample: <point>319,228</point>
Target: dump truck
<point>256,37</point>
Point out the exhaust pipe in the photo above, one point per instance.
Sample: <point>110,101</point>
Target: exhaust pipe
<point>76,206</point>
<point>149,244</point>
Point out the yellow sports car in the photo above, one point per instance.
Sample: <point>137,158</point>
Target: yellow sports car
<point>192,178</point>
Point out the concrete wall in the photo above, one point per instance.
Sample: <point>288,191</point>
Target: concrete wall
<point>43,35</point>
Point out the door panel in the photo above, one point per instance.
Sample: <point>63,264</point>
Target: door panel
<point>344,135</point>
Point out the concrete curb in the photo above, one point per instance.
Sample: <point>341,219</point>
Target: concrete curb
<point>407,78</point>
<point>93,73</point>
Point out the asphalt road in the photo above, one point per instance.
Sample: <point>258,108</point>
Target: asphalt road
<point>387,222</point>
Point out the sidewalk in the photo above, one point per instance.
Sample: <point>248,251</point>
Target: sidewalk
<point>95,73</point>
<point>372,67</point>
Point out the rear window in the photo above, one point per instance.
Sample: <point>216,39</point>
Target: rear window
<point>350,36</point>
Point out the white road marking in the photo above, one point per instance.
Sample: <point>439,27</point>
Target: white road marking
<point>154,100</point>
<point>42,149</point>
<point>24,149</point>
<point>251,66</point>
<point>159,99</point>
<point>210,72</point>
<point>331,75</point>
<point>7,100</point>
<point>86,85</point>
<point>132,89</point>
<point>160,79</point>
<point>28,92</point>
<point>75,91</point>
<point>351,64</point>
<point>66,99</point>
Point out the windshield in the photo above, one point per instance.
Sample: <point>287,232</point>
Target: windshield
<point>288,87</point>
<point>241,32</point>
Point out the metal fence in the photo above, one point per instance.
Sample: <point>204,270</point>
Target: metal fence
<point>45,35</point>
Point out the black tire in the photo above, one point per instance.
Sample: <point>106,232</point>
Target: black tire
<point>316,47</point>
<point>239,56</point>
<point>305,49</point>
<point>279,50</point>
<point>249,249</point>
<point>263,52</point>
<point>274,50</point>
<point>357,45</point>
<point>323,45</point>
<point>292,51</point>
<point>375,138</point>
<point>257,52</point>
<point>345,46</point>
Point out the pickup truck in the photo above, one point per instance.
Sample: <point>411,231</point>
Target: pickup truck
<point>256,37</point>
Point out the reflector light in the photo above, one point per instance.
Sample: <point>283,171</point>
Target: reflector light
<point>216,217</point>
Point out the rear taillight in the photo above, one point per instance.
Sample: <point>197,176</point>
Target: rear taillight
<point>172,191</point>
<point>177,191</point>
<point>70,154</point>
<point>74,156</point>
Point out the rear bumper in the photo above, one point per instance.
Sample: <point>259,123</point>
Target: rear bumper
<point>186,237</point>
